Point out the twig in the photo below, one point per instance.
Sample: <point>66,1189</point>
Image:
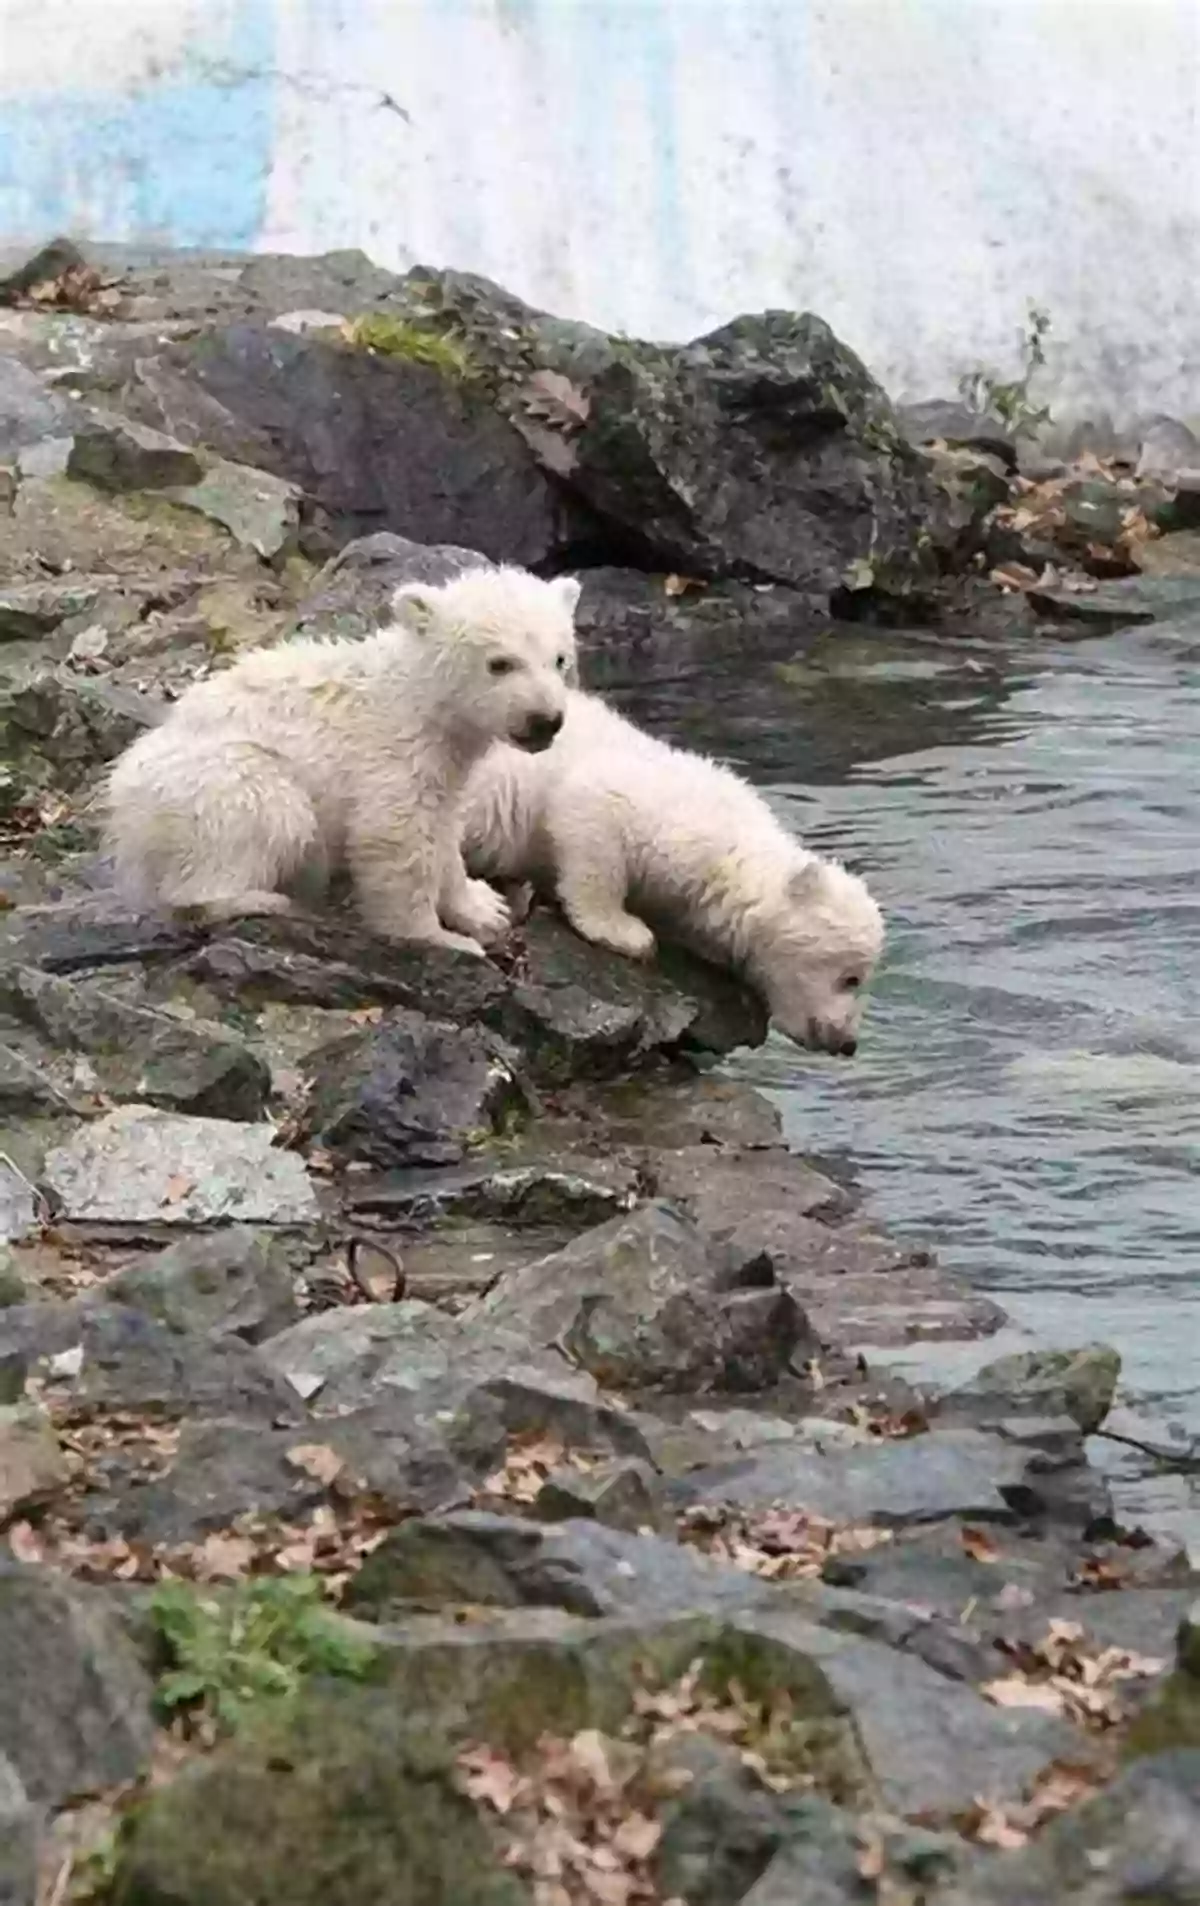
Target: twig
<point>1174,1458</point>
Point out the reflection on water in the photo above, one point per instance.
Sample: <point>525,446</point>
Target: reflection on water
<point>1027,1095</point>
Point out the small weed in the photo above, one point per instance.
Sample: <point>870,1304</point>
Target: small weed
<point>231,1651</point>
<point>1012,403</point>
<point>399,337</point>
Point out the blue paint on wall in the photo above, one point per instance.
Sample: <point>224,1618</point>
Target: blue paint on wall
<point>182,158</point>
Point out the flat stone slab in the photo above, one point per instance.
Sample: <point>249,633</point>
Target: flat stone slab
<point>137,1165</point>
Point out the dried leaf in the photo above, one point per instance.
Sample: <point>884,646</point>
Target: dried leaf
<point>1015,1691</point>
<point>978,1544</point>
<point>377,1271</point>
<point>316,1460</point>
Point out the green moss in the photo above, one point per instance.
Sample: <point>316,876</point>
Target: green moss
<point>230,1652</point>
<point>386,336</point>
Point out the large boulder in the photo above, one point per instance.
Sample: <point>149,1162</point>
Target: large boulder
<point>376,439</point>
<point>764,449</point>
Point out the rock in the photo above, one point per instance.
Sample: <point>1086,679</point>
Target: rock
<point>137,1166</point>
<point>1168,448</point>
<point>32,1466</point>
<point>721,1827</point>
<point>116,454</point>
<point>621,1494</point>
<point>353,593</point>
<point>29,413</point>
<point>926,1478</point>
<point>375,441</point>
<point>1138,1841</point>
<point>348,1803</point>
<point>76,1716</point>
<point>1176,555</point>
<point>526,1192</point>
<point>821,1861</point>
<point>19,1838</point>
<point>18,1204</point>
<point>110,1357</point>
<point>138,1051</point>
<point>435,1366</point>
<point>644,1300</point>
<point>236,1282</point>
<point>763,449</point>
<point>1120,604</point>
<point>32,609</point>
<point>13,1287</point>
<point>1079,1384</point>
<point>59,729</point>
<point>932,1744</point>
<point>955,424</point>
<point>576,1011</point>
<point>411,1091</point>
<point>974,483</point>
<point>1188,1642</point>
<point>261,512</point>
<point>499,1561</point>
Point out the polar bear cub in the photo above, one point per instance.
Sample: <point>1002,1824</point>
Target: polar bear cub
<point>321,753</point>
<point>630,831</point>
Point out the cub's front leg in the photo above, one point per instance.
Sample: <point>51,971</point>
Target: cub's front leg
<point>470,906</point>
<point>396,867</point>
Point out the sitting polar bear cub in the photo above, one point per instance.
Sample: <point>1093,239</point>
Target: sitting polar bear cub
<point>628,830</point>
<point>317,753</point>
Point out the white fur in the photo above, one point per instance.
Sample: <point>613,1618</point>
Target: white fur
<point>630,831</point>
<point>317,753</point>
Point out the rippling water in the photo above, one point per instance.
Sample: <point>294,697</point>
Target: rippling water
<point>1027,1093</point>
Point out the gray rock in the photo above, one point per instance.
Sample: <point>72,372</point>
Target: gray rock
<point>621,1494</point>
<point>140,1052</point>
<point>18,1204</point>
<point>76,1716</point>
<point>645,1300</point>
<point>32,609</point>
<point>819,1863</point>
<point>1139,1841</point>
<point>58,729</point>
<point>411,1091</point>
<point>29,413</point>
<point>567,1192</point>
<point>1168,448</point>
<point>116,454</point>
<point>932,1743</point>
<point>951,1472</point>
<point>235,1282</point>
<point>260,511</point>
<point>19,1836</point>
<point>1078,1384</point>
<point>763,449</point>
<point>946,421</point>
<point>1121,604</point>
<point>375,441</point>
<point>1187,1642</point>
<point>125,1361</point>
<point>137,1165</point>
<point>509,1562</point>
<point>720,1828</point>
<point>353,592</point>
<point>418,1357</point>
<point>575,1012</point>
<point>32,1466</point>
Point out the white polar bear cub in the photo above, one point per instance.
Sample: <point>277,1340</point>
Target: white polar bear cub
<point>629,830</point>
<point>319,753</point>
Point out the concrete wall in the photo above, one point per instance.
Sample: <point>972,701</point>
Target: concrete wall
<point>919,171</point>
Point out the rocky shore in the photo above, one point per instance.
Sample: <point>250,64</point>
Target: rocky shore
<point>447,1447</point>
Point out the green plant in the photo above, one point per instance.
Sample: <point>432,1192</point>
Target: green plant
<point>230,1650</point>
<point>1012,402</point>
<point>387,336</point>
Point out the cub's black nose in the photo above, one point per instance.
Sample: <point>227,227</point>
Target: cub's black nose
<point>848,1048</point>
<point>539,731</point>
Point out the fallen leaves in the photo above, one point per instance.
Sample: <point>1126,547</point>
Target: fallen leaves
<point>1060,1675</point>
<point>579,1818</point>
<point>780,1543</point>
<point>1060,1785</point>
<point>978,1544</point>
<point>528,1463</point>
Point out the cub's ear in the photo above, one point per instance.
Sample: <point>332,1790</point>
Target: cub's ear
<point>805,882</point>
<point>568,589</point>
<point>414,607</point>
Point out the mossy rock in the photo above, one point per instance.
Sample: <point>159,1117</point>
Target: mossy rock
<point>346,1801</point>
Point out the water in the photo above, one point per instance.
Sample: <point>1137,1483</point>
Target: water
<point>1027,1093</point>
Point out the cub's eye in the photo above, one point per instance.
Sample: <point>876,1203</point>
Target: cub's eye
<point>501,665</point>
<point>561,663</point>
<point>851,983</point>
